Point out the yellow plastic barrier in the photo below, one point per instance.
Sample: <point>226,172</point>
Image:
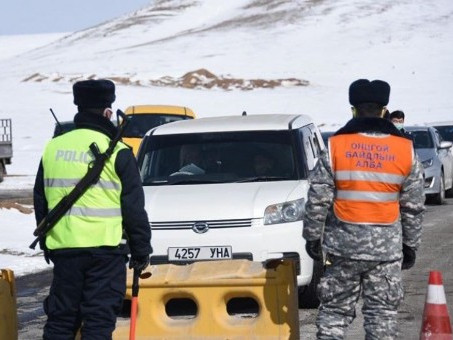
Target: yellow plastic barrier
<point>8,308</point>
<point>235,299</point>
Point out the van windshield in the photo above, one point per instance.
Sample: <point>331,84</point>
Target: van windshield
<point>218,157</point>
<point>139,124</point>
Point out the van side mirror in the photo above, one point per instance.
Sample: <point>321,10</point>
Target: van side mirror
<point>445,145</point>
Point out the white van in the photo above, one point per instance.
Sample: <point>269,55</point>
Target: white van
<point>231,188</point>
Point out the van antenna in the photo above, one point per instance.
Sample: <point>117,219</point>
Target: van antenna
<point>55,117</point>
<point>244,113</point>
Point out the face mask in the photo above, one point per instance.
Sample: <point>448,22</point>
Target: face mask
<point>399,126</point>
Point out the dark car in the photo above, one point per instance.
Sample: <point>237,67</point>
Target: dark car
<point>63,127</point>
<point>66,126</point>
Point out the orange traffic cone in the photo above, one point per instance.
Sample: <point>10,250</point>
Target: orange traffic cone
<point>436,321</point>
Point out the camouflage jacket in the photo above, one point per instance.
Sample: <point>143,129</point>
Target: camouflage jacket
<point>363,242</point>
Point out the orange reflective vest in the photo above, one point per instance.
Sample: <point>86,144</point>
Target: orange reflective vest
<point>369,172</point>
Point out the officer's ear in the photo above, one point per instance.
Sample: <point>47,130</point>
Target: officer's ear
<point>354,111</point>
<point>107,113</point>
<point>384,110</point>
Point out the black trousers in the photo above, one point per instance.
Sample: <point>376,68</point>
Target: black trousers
<point>87,293</point>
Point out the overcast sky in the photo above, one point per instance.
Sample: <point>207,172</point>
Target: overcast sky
<point>45,16</point>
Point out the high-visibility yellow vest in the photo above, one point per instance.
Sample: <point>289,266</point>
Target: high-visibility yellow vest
<point>95,218</point>
<point>369,172</point>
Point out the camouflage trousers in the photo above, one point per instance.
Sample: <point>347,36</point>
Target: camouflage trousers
<point>379,283</point>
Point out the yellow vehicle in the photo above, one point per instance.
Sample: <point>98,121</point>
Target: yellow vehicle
<point>145,117</point>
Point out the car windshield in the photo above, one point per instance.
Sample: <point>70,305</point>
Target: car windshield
<point>218,157</point>
<point>139,124</point>
<point>422,139</point>
<point>446,132</point>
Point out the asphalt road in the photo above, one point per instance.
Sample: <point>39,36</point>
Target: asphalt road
<point>435,254</point>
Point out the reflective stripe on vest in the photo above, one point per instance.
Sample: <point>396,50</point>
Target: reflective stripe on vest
<point>92,212</point>
<point>369,176</point>
<point>369,172</point>
<point>95,219</point>
<point>71,182</point>
<point>370,196</point>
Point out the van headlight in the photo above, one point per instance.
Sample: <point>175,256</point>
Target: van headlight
<point>427,163</point>
<point>290,211</point>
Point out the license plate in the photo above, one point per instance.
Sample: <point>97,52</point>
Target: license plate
<point>199,253</point>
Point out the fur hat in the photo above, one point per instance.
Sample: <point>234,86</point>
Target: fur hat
<point>95,94</point>
<point>365,91</point>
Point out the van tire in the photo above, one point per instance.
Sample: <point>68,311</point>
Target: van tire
<point>308,295</point>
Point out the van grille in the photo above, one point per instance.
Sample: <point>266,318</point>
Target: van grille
<point>213,224</point>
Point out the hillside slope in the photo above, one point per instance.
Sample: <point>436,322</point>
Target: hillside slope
<point>253,38</point>
<point>313,49</point>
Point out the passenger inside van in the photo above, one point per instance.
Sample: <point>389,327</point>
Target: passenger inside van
<point>263,164</point>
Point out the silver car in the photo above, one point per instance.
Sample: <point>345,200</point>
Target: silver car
<point>445,129</point>
<point>436,157</point>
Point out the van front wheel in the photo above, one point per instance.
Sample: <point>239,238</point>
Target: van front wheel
<point>308,297</point>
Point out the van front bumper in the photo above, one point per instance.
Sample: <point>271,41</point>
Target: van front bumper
<point>261,243</point>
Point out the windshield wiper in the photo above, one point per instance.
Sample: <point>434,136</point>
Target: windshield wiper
<point>156,182</point>
<point>186,180</point>
<point>262,179</point>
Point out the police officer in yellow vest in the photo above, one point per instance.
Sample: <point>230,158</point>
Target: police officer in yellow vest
<point>373,182</point>
<point>86,245</point>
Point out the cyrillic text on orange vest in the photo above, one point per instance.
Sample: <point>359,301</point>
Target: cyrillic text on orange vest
<point>369,171</point>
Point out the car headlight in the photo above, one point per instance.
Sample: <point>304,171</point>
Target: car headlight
<point>427,163</point>
<point>290,211</point>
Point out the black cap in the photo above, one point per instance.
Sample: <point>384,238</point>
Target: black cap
<point>96,94</point>
<point>365,91</point>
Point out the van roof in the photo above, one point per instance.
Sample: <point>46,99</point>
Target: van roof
<point>257,122</point>
<point>160,109</point>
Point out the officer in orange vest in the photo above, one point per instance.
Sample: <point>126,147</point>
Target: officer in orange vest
<point>373,183</point>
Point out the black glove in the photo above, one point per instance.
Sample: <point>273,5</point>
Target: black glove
<point>139,263</point>
<point>314,249</point>
<point>408,257</point>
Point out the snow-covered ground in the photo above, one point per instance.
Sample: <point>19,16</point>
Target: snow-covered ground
<point>328,43</point>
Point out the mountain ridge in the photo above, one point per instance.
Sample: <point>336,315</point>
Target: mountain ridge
<point>177,24</point>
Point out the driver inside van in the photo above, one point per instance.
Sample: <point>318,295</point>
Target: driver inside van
<point>191,160</point>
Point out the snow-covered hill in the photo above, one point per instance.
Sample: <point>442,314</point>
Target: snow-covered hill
<point>323,44</point>
<point>14,45</point>
<point>326,44</point>
<point>312,39</point>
